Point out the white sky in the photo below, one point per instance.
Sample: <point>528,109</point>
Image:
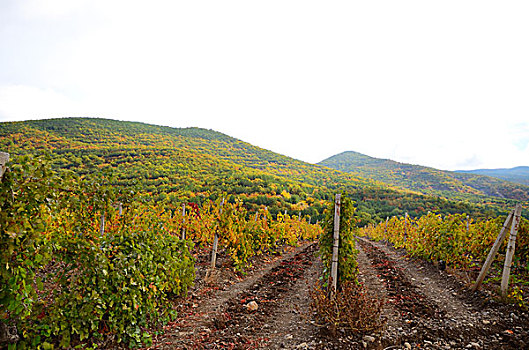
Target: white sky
<point>437,83</point>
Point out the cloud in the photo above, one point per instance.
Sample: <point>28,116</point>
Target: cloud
<point>19,102</point>
<point>439,84</point>
<point>49,9</point>
<point>520,135</point>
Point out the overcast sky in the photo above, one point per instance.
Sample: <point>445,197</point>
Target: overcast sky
<point>437,83</point>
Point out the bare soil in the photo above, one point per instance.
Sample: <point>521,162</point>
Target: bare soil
<point>425,308</point>
<point>433,309</point>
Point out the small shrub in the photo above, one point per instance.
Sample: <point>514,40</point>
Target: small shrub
<point>352,308</point>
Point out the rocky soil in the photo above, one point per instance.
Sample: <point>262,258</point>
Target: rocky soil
<point>429,308</point>
<point>269,308</point>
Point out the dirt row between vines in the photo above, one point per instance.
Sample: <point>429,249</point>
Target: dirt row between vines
<point>425,308</point>
<point>429,308</point>
<point>215,315</point>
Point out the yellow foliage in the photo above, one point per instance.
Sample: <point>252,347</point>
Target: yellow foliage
<point>285,194</point>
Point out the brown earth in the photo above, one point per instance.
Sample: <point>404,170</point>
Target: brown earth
<point>425,308</point>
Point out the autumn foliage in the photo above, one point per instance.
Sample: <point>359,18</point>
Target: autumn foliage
<point>84,262</point>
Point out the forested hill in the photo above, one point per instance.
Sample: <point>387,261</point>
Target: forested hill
<point>84,135</point>
<point>180,164</point>
<point>427,180</point>
<point>193,164</point>
<point>518,174</point>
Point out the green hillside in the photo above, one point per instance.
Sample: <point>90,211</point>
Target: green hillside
<point>192,164</point>
<point>518,174</point>
<point>452,185</point>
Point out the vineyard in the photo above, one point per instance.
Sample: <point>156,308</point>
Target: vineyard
<point>83,262</point>
<point>86,264</point>
<point>458,242</point>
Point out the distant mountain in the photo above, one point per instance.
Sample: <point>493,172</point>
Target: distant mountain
<point>518,174</point>
<point>454,185</point>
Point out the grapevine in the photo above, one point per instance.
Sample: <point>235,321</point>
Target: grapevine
<point>457,240</point>
<point>76,269</point>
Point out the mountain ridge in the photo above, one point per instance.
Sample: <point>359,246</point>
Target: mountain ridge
<point>518,174</point>
<point>195,164</point>
<point>181,163</point>
<point>426,180</point>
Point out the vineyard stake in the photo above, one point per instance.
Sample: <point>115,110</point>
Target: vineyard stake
<point>488,262</point>
<point>183,221</point>
<point>405,226</point>
<point>216,241</point>
<point>336,242</point>
<point>386,231</point>
<point>4,158</point>
<point>510,250</point>
<point>102,226</point>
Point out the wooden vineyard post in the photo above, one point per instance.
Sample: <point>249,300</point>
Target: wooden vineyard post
<point>510,250</point>
<point>183,221</point>
<point>5,332</point>
<point>4,158</point>
<point>493,251</point>
<point>102,225</point>
<point>386,230</point>
<point>336,242</point>
<point>216,241</point>
<point>468,224</point>
<point>405,226</point>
